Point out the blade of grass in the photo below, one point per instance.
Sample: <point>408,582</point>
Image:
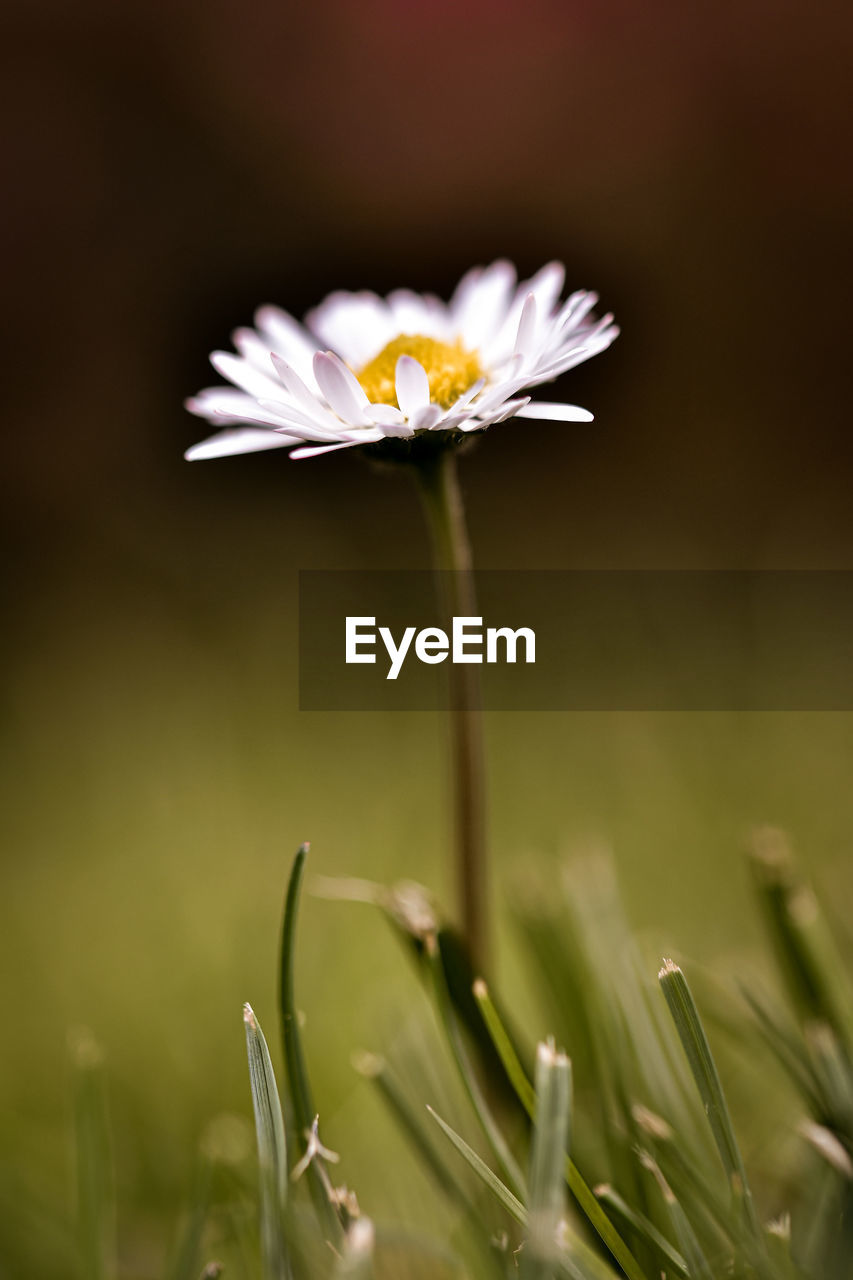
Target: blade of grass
<point>691,1032</point>
<point>669,1258</point>
<point>787,1048</point>
<point>185,1266</point>
<point>698,1266</point>
<point>832,1072</point>
<point>95,1189</point>
<point>375,1069</point>
<point>547,1155</point>
<point>299,1088</point>
<point>515,1073</point>
<point>511,1169</point>
<point>272,1150</point>
<point>584,1266</point>
<point>700,1198</point>
<point>817,977</point>
<point>501,1192</point>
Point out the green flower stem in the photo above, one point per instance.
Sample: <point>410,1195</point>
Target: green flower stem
<point>438,482</point>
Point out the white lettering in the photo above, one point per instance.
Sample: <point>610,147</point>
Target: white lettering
<point>356,638</point>
<point>396,654</point>
<point>431,645</point>
<point>511,638</point>
<point>461,637</point>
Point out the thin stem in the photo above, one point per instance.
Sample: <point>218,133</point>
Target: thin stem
<point>439,487</point>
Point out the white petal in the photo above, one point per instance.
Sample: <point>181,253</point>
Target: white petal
<point>340,387</point>
<point>315,451</point>
<point>507,410</point>
<point>555,412</point>
<point>416,313</point>
<point>578,306</point>
<point>243,374</point>
<point>546,286</point>
<point>385,415</point>
<point>216,403</point>
<point>526,327</point>
<point>305,426</point>
<point>412,385</point>
<point>355,325</point>
<point>510,410</point>
<point>287,337</point>
<point>481,302</point>
<point>227,443</point>
<point>292,383</point>
<point>253,348</point>
<point>426,418</point>
<point>221,404</point>
<point>304,398</point>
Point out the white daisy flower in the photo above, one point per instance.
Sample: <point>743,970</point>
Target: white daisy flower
<point>366,370</point>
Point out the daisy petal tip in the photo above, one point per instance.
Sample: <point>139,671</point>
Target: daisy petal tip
<point>548,412</point>
<point>412,385</point>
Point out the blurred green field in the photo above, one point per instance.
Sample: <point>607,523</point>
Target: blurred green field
<point>158,777</point>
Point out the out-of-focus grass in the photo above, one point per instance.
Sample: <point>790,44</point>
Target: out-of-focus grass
<point>157,776</point>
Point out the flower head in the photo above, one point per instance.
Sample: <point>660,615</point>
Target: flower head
<point>365,370</point>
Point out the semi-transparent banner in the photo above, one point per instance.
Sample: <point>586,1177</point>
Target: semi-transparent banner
<point>578,640</point>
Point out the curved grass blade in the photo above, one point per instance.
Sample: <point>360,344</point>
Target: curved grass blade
<point>581,1264</point>
<point>272,1150</point>
<point>506,1160</point>
<point>694,1041</point>
<point>668,1257</point>
<point>698,1266</point>
<point>95,1189</point>
<point>515,1073</point>
<point>374,1068</point>
<point>299,1088</point>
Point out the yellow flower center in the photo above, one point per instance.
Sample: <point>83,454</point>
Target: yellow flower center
<point>450,368</point>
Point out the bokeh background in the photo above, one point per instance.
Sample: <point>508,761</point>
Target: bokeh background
<point>172,167</point>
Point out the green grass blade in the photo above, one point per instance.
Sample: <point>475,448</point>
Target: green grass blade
<point>668,1257</point>
<point>375,1069</point>
<point>694,1041</point>
<point>574,1259</point>
<point>515,1073</point>
<point>698,1266</point>
<point>509,1165</point>
<point>490,1179</point>
<point>298,1085</point>
<point>95,1188</point>
<point>787,1047</point>
<point>272,1150</point>
<point>816,976</point>
<point>546,1202</point>
<point>186,1263</point>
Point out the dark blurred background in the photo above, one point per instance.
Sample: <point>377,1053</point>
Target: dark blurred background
<point>171,168</point>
